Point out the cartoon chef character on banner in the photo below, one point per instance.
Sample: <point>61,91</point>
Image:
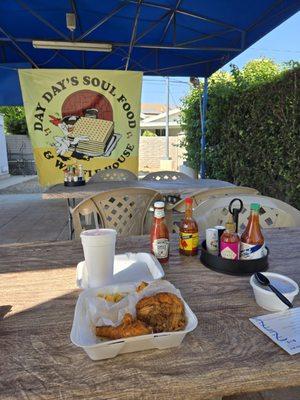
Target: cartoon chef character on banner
<point>64,144</point>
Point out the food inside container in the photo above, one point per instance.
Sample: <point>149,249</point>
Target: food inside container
<point>268,300</point>
<point>149,315</point>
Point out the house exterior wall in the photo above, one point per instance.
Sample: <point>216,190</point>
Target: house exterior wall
<point>20,155</point>
<point>152,150</point>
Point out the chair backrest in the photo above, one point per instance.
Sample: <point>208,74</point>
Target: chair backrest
<point>273,213</point>
<point>167,176</point>
<point>113,175</point>
<point>206,193</point>
<point>120,209</point>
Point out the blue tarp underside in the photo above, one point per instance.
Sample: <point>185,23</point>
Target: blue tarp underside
<point>237,24</point>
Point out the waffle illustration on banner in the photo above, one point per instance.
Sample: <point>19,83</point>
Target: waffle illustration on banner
<point>87,127</point>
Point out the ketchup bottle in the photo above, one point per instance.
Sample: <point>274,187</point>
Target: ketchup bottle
<point>159,238</point>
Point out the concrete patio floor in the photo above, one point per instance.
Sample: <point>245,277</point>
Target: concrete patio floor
<point>28,218</point>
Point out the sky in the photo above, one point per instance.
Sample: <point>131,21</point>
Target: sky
<point>282,44</point>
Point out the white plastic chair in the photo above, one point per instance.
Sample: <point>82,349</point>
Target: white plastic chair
<point>116,175</point>
<point>166,176</point>
<point>120,209</point>
<point>273,213</point>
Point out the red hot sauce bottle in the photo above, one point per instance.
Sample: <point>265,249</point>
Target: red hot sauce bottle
<point>159,238</point>
<point>252,240</point>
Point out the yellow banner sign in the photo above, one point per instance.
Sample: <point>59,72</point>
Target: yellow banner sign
<point>87,117</point>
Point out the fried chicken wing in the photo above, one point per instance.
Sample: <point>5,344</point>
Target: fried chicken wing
<point>164,312</point>
<point>129,327</point>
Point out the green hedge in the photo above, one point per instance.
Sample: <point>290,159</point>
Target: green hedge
<point>253,136</point>
<point>14,120</point>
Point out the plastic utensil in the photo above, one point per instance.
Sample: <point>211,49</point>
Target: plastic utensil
<point>263,280</point>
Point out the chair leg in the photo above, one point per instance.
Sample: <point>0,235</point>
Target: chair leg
<point>70,219</point>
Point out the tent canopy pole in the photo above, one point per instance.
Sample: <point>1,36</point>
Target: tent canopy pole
<point>203,108</point>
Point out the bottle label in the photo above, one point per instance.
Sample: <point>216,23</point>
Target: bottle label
<point>160,248</point>
<point>188,241</point>
<point>230,250</point>
<point>252,251</point>
<point>159,213</point>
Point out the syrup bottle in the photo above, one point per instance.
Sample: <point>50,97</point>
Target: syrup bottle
<point>252,240</point>
<point>188,231</point>
<point>159,237</point>
<point>230,241</point>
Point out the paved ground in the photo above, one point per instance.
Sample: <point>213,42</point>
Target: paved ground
<point>20,184</point>
<point>27,218</point>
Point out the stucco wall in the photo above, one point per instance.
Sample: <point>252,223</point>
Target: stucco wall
<point>152,150</point>
<point>20,155</point>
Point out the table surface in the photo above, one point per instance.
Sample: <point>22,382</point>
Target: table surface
<point>225,355</point>
<point>164,187</point>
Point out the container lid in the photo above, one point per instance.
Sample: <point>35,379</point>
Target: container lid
<point>255,206</point>
<point>188,200</point>
<point>283,283</point>
<point>159,204</point>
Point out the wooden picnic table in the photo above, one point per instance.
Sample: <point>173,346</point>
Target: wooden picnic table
<point>225,355</point>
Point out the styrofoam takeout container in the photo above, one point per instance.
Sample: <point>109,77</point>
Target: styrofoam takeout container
<point>98,349</point>
<point>268,300</point>
<point>128,267</point>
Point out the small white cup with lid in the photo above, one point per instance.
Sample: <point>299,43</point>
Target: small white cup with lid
<point>267,299</point>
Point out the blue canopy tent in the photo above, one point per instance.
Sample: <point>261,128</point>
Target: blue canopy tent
<point>158,37</point>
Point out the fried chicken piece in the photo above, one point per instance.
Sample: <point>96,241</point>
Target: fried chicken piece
<point>164,312</point>
<point>141,286</point>
<point>129,327</point>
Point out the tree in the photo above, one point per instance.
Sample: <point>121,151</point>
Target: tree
<point>14,120</point>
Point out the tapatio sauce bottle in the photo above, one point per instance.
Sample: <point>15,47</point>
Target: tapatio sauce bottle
<point>188,231</point>
<point>159,238</point>
<point>252,240</point>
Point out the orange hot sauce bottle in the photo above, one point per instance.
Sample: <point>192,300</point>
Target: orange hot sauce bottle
<point>252,240</point>
<point>159,237</point>
<point>188,231</point>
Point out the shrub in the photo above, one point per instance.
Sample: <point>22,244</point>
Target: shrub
<point>14,120</point>
<point>252,129</point>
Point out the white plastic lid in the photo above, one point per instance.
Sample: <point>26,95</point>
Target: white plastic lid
<point>159,204</point>
<point>98,237</point>
<point>283,283</point>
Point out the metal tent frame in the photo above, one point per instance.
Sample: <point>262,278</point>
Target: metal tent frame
<point>159,37</point>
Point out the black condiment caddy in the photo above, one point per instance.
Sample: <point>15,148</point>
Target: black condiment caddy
<point>233,267</point>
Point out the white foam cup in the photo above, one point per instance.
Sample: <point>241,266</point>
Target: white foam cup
<point>99,252</point>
